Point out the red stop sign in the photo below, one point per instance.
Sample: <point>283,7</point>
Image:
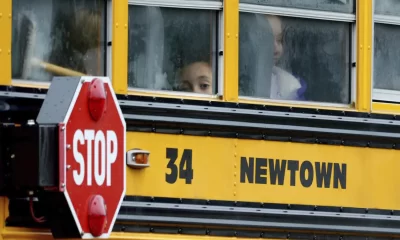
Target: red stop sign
<point>94,157</point>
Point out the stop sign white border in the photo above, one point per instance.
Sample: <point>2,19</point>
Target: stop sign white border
<point>71,106</point>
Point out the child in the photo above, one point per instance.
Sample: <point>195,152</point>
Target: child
<point>283,84</point>
<point>196,77</point>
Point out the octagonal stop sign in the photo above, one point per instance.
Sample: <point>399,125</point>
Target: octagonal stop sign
<point>92,136</point>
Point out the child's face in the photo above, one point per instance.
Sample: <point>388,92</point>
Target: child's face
<point>197,77</point>
<point>276,25</point>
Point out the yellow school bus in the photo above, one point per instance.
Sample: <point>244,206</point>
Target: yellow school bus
<point>249,118</point>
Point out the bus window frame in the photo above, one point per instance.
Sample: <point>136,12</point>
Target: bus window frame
<point>381,102</point>
<point>106,61</point>
<point>109,22</point>
<point>351,18</point>
<point>5,42</point>
<point>218,7</point>
<point>378,94</point>
<point>117,15</point>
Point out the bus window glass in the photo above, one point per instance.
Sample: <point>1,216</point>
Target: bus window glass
<point>387,7</point>
<point>57,38</point>
<point>386,57</point>
<point>386,47</point>
<point>285,58</point>
<point>172,49</point>
<point>343,6</point>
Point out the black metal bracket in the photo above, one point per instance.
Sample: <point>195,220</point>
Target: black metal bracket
<point>29,157</point>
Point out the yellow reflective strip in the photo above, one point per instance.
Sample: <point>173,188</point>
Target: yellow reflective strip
<point>364,55</point>
<point>120,46</point>
<point>386,108</point>
<point>5,42</point>
<point>231,50</point>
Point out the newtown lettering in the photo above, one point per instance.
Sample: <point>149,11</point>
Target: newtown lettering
<point>276,172</point>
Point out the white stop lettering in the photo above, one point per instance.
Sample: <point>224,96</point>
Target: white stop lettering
<point>100,155</point>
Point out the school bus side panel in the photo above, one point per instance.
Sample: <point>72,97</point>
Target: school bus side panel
<point>265,171</point>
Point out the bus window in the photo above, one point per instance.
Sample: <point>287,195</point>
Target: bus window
<point>57,38</point>
<point>172,49</point>
<point>386,72</point>
<point>295,57</point>
<point>342,6</point>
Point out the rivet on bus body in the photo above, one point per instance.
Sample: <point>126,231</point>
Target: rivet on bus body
<point>126,25</point>
<point>234,164</point>
<point>234,184</point>
<point>228,35</point>
<point>116,25</point>
<point>9,15</point>
<point>361,46</point>
<point>9,52</point>
<point>1,14</point>
<point>234,193</point>
<point>237,35</point>
<point>234,174</point>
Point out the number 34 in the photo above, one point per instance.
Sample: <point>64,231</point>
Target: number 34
<point>184,173</point>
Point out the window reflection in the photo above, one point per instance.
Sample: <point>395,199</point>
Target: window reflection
<point>344,6</point>
<point>387,7</point>
<point>294,59</point>
<point>386,57</point>
<point>386,47</point>
<point>172,49</point>
<point>52,38</point>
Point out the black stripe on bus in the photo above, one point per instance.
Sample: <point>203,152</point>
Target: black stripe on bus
<point>243,219</point>
<point>200,118</point>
